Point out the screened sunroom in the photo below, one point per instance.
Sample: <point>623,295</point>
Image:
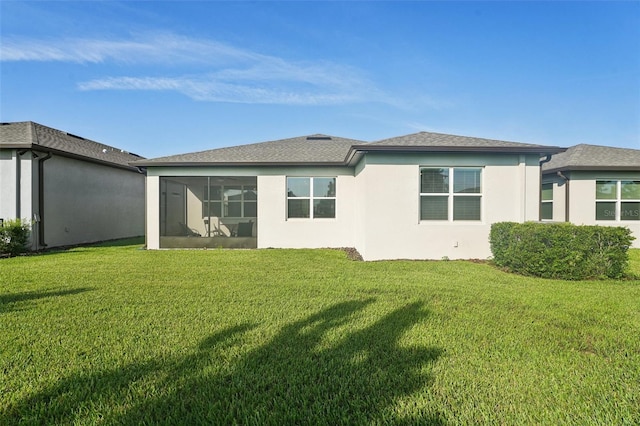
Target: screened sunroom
<point>208,212</point>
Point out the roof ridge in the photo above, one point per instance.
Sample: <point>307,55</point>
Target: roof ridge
<point>33,135</point>
<point>433,139</point>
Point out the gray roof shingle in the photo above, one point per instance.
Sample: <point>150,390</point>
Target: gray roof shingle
<point>30,135</point>
<point>441,140</point>
<point>330,150</point>
<point>313,149</point>
<point>594,157</point>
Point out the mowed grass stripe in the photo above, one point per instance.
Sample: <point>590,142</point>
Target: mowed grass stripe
<point>119,335</point>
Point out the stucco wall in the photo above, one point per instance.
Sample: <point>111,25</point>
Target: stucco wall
<point>391,212</point>
<point>87,202</point>
<point>8,184</point>
<point>559,196</point>
<point>13,204</point>
<point>275,230</point>
<point>272,227</point>
<point>377,205</point>
<point>582,200</point>
<point>18,194</point>
<point>152,234</point>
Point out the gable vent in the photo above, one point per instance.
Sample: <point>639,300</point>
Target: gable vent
<point>318,138</point>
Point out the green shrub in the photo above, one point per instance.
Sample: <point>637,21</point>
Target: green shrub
<point>14,236</point>
<point>561,250</point>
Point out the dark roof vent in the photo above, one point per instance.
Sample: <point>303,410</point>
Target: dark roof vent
<point>318,138</point>
<point>76,136</point>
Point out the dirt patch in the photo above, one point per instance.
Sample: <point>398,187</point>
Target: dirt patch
<point>352,254</point>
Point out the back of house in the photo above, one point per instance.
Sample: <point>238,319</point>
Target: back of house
<point>70,189</point>
<point>419,196</point>
<point>593,185</point>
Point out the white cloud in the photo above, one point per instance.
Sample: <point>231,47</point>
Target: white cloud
<point>213,89</point>
<point>143,48</point>
<point>235,75</point>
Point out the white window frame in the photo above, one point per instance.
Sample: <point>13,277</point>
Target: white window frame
<point>618,200</point>
<point>543,201</point>
<point>312,198</point>
<point>451,195</point>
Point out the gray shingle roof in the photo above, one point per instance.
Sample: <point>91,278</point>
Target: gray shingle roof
<point>331,150</point>
<point>30,135</point>
<point>440,140</point>
<point>313,149</point>
<point>594,157</point>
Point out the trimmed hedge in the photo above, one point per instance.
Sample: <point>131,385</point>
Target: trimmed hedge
<point>561,250</point>
<point>14,236</point>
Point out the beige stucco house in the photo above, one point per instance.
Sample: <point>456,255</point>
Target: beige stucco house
<point>419,196</point>
<point>72,190</point>
<point>593,185</point>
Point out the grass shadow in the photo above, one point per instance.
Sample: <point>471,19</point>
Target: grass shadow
<point>311,372</point>
<point>9,301</point>
<point>133,241</point>
<point>77,248</point>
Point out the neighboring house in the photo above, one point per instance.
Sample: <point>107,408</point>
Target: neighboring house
<point>593,185</point>
<point>73,190</point>
<point>420,196</point>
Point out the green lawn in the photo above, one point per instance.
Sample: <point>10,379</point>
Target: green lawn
<point>120,335</point>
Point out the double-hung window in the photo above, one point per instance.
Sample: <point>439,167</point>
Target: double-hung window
<point>617,200</point>
<point>451,194</point>
<point>311,197</point>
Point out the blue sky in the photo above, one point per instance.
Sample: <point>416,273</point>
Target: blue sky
<point>162,78</point>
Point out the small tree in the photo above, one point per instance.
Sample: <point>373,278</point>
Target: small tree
<point>14,236</point>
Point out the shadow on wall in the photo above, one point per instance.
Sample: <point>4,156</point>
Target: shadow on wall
<point>294,378</point>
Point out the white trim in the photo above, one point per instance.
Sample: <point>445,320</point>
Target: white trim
<point>618,201</point>
<point>311,198</point>
<point>451,195</point>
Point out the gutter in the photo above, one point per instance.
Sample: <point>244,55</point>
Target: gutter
<point>542,150</point>
<point>354,154</point>
<point>633,168</point>
<point>42,148</point>
<point>146,164</point>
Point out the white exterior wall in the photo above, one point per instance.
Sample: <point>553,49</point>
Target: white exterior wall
<point>20,204</point>
<point>378,205</point>
<point>559,197</point>
<point>88,202</point>
<point>152,209</point>
<point>391,210</point>
<point>275,230</point>
<point>582,200</point>
<point>9,182</point>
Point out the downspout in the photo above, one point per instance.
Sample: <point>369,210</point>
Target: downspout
<point>544,160</point>
<point>566,195</point>
<point>41,198</point>
<point>18,183</point>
